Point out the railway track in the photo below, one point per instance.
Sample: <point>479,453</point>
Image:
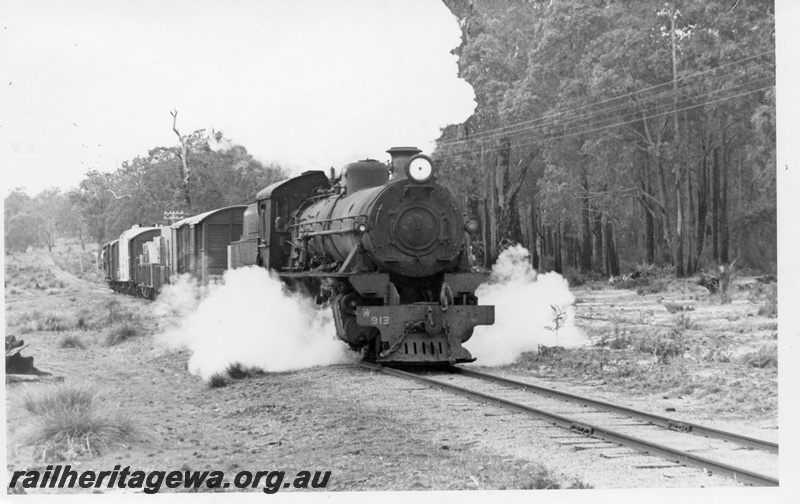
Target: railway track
<point>676,441</point>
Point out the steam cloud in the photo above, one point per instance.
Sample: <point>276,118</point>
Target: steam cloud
<point>530,309</point>
<point>251,320</point>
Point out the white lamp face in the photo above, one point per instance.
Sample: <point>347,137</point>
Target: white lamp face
<point>420,169</point>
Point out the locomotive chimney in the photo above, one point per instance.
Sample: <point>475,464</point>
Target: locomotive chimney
<point>400,157</point>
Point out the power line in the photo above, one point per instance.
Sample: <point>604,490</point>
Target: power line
<point>605,127</point>
<point>645,103</point>
<point>552,119</point>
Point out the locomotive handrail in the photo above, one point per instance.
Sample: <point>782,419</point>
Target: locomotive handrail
<point>325,221</point>
<point>306,236</point>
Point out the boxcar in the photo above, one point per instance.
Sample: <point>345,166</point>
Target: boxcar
<point>122,258</point>
<point>200,243</point>
<point>244,251</point>
<point>155,268</point>
<point>111,260</point>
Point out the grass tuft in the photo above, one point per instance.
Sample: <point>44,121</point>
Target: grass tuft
<point>238,371</point>
<point>72,420</point>
<point>541,479</point>
<point>217,380</point>
<point>121,332</point>
<point>71,341</point>
<point>59,398</point>
<point>770,306</point>
<point>766,356</point>
<point>684,322</point>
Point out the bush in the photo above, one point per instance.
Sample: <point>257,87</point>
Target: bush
<point>121,332</point>
<point>38,321</point>
<point>575,277</point>
<point>83,320</point>
<point>684,322</point>
<point>542,479</point>
<point>663,345</point>
<point>62,397</point>
<point>770,306</point>
<point>71,341</point>
<point>55,322</point>
<point>237,371</point>
<point>72,419</point>
<point>646,279</point>
<point>217,380</point>
<point>766,356</point>
<point>645,286</point>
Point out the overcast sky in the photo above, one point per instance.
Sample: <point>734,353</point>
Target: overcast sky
<point>306,83</point>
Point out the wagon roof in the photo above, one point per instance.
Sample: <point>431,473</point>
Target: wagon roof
<point>195,219</point>
<point>267,191</point>
<point>133,232</point>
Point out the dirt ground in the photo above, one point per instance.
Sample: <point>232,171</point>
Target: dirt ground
<point>678,349</point>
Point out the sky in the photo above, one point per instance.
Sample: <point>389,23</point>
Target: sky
<point>308,84</point>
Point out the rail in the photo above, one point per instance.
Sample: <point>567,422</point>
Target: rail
<point>672,454</point>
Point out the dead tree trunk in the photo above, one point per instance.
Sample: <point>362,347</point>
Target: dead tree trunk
<point>182,154</point>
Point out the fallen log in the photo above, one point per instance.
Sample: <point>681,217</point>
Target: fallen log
<point>15,378</point>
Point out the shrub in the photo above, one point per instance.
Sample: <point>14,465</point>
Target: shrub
<point>684,322</point>
<point>55,322</point>
<point>237,371</point>
<point>541,479</point>
<point>766,356</point>
<point>649,286</point>
<point>61,397</point>
<point>70,418</point>
<point>217,380</point>
<point>663,345</point>
<point>112,305</point>
<point>121,332</point>
<point>71,341</point>
<point>83,320</point>
<point>770,306</point>
<point>575,277</point>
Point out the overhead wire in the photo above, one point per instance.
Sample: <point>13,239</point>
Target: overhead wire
<point>554,120</point>
<point>637,116</point>
<point>649,102</point>
<point>619,97</point>
<point>669,111</point>
<point>645,103</point>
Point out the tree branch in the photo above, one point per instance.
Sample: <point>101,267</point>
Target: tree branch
<point>119,197</point>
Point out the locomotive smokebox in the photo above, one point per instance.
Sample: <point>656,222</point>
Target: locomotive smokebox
<point>400,157</point>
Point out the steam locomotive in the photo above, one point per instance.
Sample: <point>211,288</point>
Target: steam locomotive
<point>384,244</point>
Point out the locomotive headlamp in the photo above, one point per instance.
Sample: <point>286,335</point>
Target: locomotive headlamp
<point>420,168</point>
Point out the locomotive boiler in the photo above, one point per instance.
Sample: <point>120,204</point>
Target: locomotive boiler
<point>385,245</point>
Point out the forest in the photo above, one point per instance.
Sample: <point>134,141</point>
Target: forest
<point>203,172</point>
<point>608,135</point>
<point>611,134</point>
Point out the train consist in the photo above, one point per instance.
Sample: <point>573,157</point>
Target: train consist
<point>384,245</point>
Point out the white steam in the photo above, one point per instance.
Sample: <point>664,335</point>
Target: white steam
<point>251,320</point>
<point>530,310</point>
